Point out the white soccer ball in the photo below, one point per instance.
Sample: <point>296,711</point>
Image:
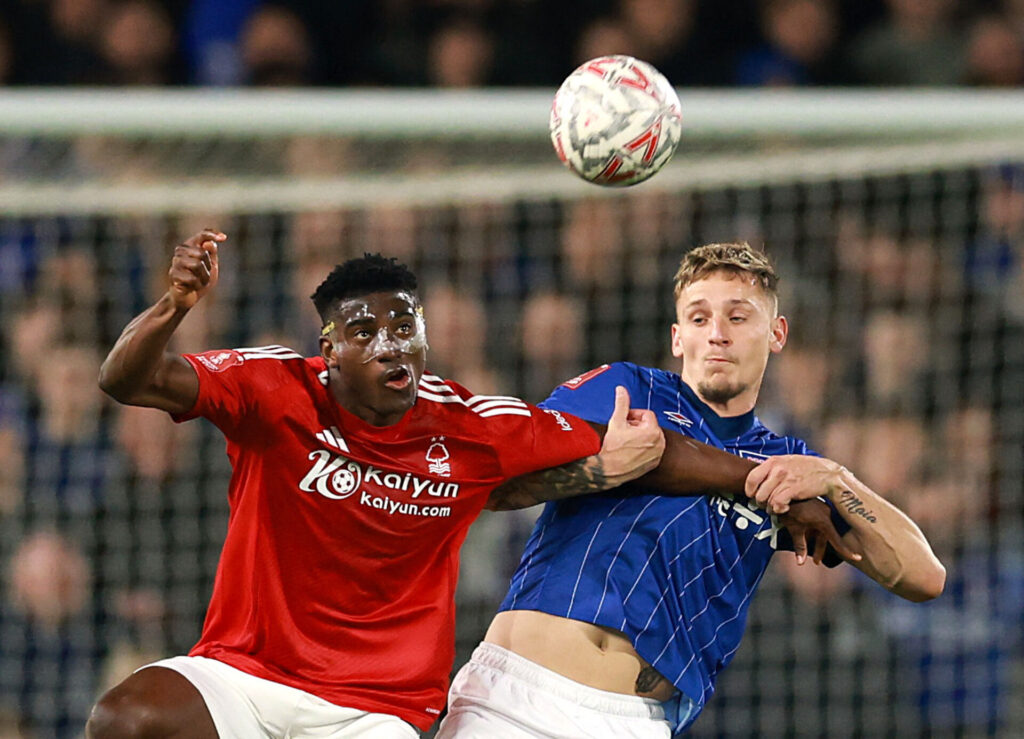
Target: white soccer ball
<point>615,121</point>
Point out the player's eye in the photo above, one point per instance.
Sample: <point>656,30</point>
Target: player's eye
<point>738,319</point>
<point>405,329</point>
<point>698,320</point>
<point>362,334</point>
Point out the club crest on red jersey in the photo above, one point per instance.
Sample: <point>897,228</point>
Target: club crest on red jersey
<point>580,379</point>
<point>438,456</point>
<point>220,361</point>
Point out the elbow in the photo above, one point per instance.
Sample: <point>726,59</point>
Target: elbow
<point>928,586</point>
<point>112,385</point>
<point>105,382</point>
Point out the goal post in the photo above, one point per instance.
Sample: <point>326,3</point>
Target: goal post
<point>896,219</point>
<point>223,150</point>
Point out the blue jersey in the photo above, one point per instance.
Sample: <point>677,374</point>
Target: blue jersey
<point>675,574</point>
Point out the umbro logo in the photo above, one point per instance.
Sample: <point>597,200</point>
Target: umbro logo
<point>332,438</point>
<point>678,418</point>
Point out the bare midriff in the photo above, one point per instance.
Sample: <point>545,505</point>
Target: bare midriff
<point>593,655</point>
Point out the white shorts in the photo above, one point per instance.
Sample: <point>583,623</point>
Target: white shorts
<point>244,706</point>
<point>500,694</point>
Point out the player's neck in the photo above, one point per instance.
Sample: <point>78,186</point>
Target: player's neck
<point>735,407</point>
<point>353,404</point>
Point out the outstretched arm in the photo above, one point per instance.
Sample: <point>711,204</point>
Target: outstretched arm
<point>686,467</point>
<point>895,552</point>
<point>139,370</point>
<point>689,467</point>
<point>632,445</point>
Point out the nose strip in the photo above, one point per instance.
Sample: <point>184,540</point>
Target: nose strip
<point>382,343</point>
<point>385,341</point>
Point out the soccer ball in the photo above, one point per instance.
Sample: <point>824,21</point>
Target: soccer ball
<point>615,121</point>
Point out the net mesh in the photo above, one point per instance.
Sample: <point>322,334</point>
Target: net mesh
<point>901,260</point>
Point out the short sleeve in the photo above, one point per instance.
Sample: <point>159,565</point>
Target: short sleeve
<point>591,396</point>
<point>545,438</point>
<point>228,388</point>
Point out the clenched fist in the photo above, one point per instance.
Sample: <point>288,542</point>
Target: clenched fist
<point>194,269</point>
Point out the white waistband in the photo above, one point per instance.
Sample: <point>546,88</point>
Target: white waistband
<point>510,663</point>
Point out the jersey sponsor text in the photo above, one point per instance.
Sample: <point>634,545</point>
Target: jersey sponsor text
<point>559,419</point>
<point>337,477</point>
<point>384,503</point>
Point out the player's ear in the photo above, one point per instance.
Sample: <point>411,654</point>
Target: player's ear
<point>780,332</point>
<point>328,352</point>
<point>677,341</point>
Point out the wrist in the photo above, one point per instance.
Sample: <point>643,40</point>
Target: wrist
<point>617,470</point>
<point>174,304</point>
<point>611,468</point>
<point>837,480</point>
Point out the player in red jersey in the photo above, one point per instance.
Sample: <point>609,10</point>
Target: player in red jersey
<point>355,478</point>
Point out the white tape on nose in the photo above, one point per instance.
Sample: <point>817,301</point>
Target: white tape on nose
<point>385,342</point>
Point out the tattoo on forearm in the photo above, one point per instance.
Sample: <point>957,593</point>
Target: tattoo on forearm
<point>576,478</point>
<point>855,505</point>
<point>647,680</point>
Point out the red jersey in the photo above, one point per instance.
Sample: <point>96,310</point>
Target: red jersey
<point>338,572</point>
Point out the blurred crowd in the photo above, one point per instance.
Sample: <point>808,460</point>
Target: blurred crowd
<point>468,43</point>
<point>906,363</point>
<point>905,296</point>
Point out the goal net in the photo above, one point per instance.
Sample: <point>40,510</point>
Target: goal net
<point>896,221</point>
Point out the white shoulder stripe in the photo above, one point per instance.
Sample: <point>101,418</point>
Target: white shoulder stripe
<point>481,398</point>
<point>506,412</point>
<point>498,404</point>
<point>269,352</point>
<point>436,387</point>
<point>426,395</point>
<point>261,355</point>
<point>432,378</point>
<point>268,349</point>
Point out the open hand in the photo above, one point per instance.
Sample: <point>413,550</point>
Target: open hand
<point>194,267</point>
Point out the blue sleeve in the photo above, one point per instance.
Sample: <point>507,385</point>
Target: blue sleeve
<point>591,396</point>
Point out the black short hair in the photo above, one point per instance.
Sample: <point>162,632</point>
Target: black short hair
<point>371,273</point>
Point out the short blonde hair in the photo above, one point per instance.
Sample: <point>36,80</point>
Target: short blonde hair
<point>735,258</point>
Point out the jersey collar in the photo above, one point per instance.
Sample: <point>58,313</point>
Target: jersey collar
<point>730,427</point>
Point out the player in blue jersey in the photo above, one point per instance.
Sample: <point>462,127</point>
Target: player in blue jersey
<point>624,608</point>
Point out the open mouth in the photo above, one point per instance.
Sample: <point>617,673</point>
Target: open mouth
<point>397,378</point>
